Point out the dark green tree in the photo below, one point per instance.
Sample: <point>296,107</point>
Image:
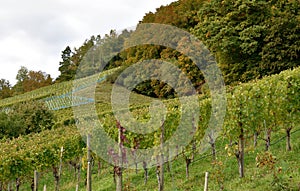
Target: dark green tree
<point>71,60</point>
<point>281,48</point>
<point>84,54</point>
<point>234,31</point>
<point>251,39</point>
<point>22,75</point>
<point>25,118</point>
<point>65,65</point>
<point>5,89</point>
<point>11,125</point>
<point>36,116</point>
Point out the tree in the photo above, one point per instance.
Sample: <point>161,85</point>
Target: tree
<point>36,80</point>
<point>34,117</point>
<point>65,65</point>
<point>22,75</point>
<point>10,125</point>
<point>282,41</point>
<point>26,118</point>
<point>29,80</point>
<point>251,39</point>
<point>5,89</point>
<point>182,14</point>
<point>71,60</point>
<point>234,31</point>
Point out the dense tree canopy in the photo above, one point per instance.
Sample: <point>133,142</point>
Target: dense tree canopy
<point>182,14</point>
<point>25,118</point>
<point>281,48</point>
<point>251,39</point>
<point>72,59</point>
<point>5,89</point>
<point>28,80</point>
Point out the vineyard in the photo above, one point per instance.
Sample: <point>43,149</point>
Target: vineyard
<point>59,95</point>
<point>261,123</point>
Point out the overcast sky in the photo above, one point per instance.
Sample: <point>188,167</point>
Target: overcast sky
<point>34,32</point>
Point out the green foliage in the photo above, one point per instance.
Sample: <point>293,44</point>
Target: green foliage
<point>5,89</point>
<point>182,14</point>
<point>21,77</point>
<point>250,39</point>
<point>281,43</point>
<point>72,59</point>
<point>20,157</point>
<point>65,65</point>
<point>26,118</point>
<point>233,31</point>
<point>36,115</point>
<point>261,106</point>
<point>11,125</point>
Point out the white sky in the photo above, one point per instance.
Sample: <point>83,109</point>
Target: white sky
<point>34,32</point>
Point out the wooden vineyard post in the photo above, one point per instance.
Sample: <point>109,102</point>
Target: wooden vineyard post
<point>89,166</point>
<point>162,136</point>
<point>78,178</point>
<point>118,169</point>
<point>206,182</point>
<point>60,167</point>
<point>36,182</point>
<point>60,162</point>
<point>160,161</point>
<point>45,187</point>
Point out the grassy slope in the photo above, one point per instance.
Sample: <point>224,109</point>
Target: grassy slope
<point>102,95</point>
<point>256,179</point>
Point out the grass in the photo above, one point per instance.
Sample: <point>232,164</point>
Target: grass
<point>287,168</point>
